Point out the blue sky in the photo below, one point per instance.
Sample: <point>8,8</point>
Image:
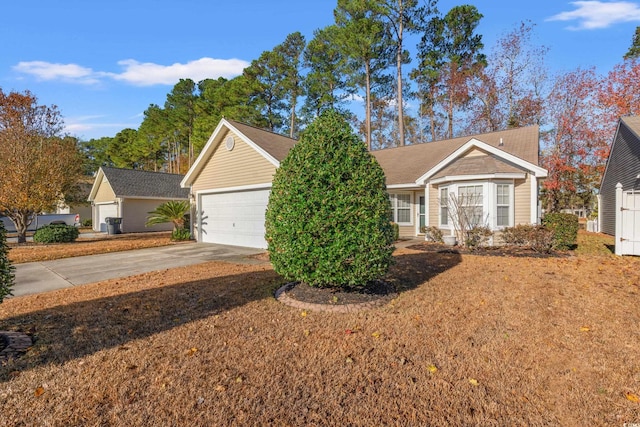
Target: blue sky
<point>103,63</point>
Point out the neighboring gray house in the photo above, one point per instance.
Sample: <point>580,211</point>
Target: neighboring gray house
<point>131,194</point>
<point>623,166</point>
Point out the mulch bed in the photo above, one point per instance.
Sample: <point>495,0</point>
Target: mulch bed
<point>501,251</point>
<point>374,291</point>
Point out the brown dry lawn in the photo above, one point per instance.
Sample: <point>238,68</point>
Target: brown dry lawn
<point>30,252</point>
<point>470,340</point>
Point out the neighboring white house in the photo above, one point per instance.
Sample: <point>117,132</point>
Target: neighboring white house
<point>231,179</point>
<point>131,194</point>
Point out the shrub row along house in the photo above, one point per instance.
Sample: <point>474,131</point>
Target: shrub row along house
<point>230,181</point>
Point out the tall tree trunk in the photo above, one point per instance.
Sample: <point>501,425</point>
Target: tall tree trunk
<point>292,123</point>
<point>21,222</point>
<point>432,119</point>
<point>399,69</point>
<point>450,117</point>
<point>367,109</point>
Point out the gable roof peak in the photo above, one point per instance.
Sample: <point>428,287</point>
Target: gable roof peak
<point>259,129</point>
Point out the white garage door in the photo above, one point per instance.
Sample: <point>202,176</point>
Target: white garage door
<point>106,211</point>
<point>234,218</point>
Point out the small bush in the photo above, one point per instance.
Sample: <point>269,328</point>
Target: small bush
<point>477,236</point>
<point>7,277</point>
<point>520,235</point>
<point>396,231</point>
<point>537,237</point>
<point>432,233</point>
<point>541,239</point>
<point>87,222</point>
<point>180,234</point>
<point>56,234</point>
<point>565,229</point>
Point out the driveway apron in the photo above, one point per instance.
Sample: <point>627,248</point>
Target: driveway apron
<point>36,277</point>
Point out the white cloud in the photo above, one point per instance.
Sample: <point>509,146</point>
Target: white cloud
<point>67,72</point>
<point>136,73</point>
<point>593,15</point>
<point>148,73</point>
<point>88,131</point>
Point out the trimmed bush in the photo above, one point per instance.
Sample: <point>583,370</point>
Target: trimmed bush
<point>7,277</point>
<point>432,233</point>
<point>565,229</point>
<point>327,221</point>
<point>396,231</point>
<point>541,239</point>
<point>87,222</point>
<point>57,233</point>
<point>520,235</point>
<point>537,237</point>
<point>477,236</point>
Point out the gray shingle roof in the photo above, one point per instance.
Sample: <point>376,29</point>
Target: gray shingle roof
<point>138,183</point>
<point>404,165</point>
<point>276,145</point>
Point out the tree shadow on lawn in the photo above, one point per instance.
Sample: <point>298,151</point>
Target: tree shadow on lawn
<point>66,332</point>
<point>412,270</point>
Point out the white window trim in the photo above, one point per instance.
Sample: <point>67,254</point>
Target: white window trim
<point>489,201</point>
<point>394,212</point>
<point>448,225</point>
<point>512,200</point>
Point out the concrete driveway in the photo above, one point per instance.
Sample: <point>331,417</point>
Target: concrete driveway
<point>36,277</point>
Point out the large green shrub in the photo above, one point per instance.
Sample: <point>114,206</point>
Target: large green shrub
<point>57,233</point>
<point>565,229</point>
<point>6,269</point>
<point>327,222</point>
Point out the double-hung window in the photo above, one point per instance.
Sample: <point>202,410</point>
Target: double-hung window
<point>444,206</point>
<point>503,205</point>
<point>471,204</point>
<point>476,204</point>
<point>401,208</point>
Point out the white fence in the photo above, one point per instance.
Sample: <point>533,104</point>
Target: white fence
<point>627,221</point>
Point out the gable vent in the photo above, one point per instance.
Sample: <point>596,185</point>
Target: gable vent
<point>229,143</point>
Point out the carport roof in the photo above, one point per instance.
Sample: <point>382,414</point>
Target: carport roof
<point>141,184</point>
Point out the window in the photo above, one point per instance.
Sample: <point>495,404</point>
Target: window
<point>444,206</point>
<point>470,200</point>
<point>400,208</point>
<point>502,205</point>
<point>480,204</point>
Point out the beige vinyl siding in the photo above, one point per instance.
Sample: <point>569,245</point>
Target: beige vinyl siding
<point>239,167</point>
<point>134,216</point>
<point>522,196</point>
<point>434,205</point>
<point>473,153</point>
<point>105,193</point>
<point>407,231</point>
